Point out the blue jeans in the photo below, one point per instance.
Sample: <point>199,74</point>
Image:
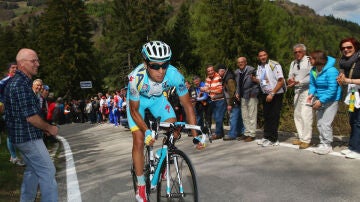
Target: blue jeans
<point>354,141</point>
<point>40,170</point>
<point>236,122</point>
<point>11,148</point>
<point>219,110</point>
<point>199,113</point>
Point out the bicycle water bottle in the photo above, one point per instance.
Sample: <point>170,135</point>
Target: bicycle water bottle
<point>352,101</point>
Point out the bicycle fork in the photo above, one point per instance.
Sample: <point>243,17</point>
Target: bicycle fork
<point>164,155</point>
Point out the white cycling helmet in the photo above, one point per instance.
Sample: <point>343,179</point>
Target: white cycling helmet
<point>156,51</point>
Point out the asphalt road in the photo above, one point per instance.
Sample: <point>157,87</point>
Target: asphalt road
<point>226,171</point>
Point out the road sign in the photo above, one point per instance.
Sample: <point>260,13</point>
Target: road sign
<point>85,84</point>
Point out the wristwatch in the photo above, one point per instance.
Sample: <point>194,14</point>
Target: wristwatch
<point>272,94</point>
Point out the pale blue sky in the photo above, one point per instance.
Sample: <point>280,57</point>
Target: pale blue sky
<point>345,9</point>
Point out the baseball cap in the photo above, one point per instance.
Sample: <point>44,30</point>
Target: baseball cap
<point>46,87</point>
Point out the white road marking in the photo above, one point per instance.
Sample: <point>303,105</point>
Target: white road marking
<point>73,191</point>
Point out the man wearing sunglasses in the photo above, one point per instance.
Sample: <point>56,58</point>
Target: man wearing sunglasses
<point>299,79</point>
<point>145,91</point>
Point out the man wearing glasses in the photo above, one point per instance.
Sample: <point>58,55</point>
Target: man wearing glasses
<point>145,91</point>
<point>26,127</point>
<point>299,79</point>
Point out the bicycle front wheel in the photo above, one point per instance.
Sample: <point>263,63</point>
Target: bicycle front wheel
<point>181,177</point>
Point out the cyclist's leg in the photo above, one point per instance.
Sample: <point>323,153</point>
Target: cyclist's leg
<point>138,151</point>
<point>138,140</point>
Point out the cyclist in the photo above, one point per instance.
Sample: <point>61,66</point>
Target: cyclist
<point>145,91</point>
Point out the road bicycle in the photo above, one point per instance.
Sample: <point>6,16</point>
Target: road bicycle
<point>169,171</point>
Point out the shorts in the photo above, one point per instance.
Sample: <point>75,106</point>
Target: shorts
<point>159,106</point>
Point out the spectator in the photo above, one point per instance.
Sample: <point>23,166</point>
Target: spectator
<point>88,109</point>
<point>12,67</point>
<point>103,108</point>
<point>247,91</point>
<point>233,104</point>
<point>326,93</point>
<point>25,129</point>
<point>95,110</point>
<point>58,114</point>
<point>43,101</point>
<point>51,107</point>
<point>214,88</point>
<point>82,114</point>
<point>201,103</point>
<point>350,74</point>
<point>299,79</point>
<point>271,79</point>
<point>37,87</point>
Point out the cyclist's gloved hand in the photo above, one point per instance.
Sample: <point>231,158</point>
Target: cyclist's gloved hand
<point>148,137</point>
<point>199,142</point>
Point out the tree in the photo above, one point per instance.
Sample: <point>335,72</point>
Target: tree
<point>219,40</point>
<point>181,43</point>
<point>132,24</point>
<point>8,44</point>
<point>65,48</point>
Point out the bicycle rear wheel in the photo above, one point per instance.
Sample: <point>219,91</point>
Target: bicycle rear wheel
<point>181,172</point>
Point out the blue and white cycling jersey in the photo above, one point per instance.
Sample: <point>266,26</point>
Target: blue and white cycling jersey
<point>150,94</point>
<point>141,85</point>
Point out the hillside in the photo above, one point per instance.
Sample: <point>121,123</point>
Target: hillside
<point>13,10</point>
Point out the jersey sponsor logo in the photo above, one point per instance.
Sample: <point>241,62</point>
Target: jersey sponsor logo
<point>139,79</point>
<point>182,88</point>
<point>145,88</point>
<point>167,107</point>
<point>133,91</point>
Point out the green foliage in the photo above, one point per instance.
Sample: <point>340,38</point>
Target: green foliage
<point>132,24</point>
<point>181,43</point>
<point>65,48</point>
<point>222,41</point>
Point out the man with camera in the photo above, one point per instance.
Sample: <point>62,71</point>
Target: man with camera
<point>233,104</point>
<point>247,91</point>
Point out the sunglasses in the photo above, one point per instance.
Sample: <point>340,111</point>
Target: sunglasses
<point>155,66</point>
<point>347,47</point>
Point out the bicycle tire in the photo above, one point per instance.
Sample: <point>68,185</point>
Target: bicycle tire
<point>187,175</point>
<point>147,170</point>
<point>134,178</point>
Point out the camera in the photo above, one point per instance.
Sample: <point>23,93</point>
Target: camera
<point>253,73</point>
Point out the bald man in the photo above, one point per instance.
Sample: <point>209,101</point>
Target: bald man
<point>25,129</point>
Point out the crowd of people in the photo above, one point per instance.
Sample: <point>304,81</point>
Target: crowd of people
<point>317,92</point>
<point>31,112</point>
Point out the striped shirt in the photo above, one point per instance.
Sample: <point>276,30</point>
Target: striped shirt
<point>21,103</point>
<point>215,86</point>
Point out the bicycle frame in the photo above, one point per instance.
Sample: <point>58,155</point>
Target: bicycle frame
<point>173,167</point>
